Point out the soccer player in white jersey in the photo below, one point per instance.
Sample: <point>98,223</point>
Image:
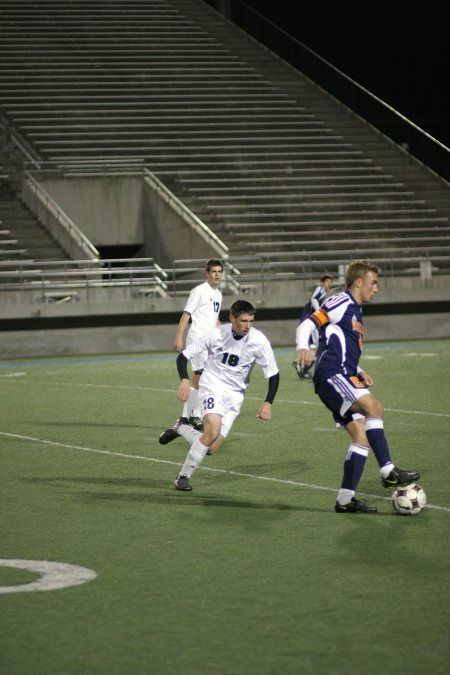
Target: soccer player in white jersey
<point>202,309</point>
<point>233,349</point>
<point>342,385</point>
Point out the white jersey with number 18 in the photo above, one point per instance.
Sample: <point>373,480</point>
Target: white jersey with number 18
<point>231,360</point>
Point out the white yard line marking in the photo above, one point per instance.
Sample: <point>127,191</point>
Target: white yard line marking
<point>418,354</point>
<point>228,472</point>
<point>248,398</point>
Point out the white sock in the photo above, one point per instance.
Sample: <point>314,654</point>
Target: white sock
<point>386,470</point>
<point>344,496</point>
<point>197,408</point>
<point>189,433</point>
<point>190,403</point>
<point>194,458</point>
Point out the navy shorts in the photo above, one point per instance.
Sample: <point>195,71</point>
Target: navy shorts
<point>339,393</point>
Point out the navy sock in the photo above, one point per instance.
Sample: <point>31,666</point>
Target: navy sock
<point>377,440</point>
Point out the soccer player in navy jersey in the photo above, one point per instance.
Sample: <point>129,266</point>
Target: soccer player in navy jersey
<point>314,303</point>
<point>343,386</point>
<point>232,349</point>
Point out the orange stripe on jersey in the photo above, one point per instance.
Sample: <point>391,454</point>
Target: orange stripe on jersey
<point>320,317</point>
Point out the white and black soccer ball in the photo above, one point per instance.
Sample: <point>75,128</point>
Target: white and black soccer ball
<point>409,500</point>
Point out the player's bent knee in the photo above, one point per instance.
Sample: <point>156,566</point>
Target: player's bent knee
<point>207,439</point>
<point>378,409</point>
<point>370,406</point>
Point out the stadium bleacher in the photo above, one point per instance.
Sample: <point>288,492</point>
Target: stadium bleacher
<point>257,151</point>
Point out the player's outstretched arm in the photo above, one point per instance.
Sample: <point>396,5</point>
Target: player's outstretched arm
<point>304,330</point>
<point>184,390</point>
<point>179,337</point>
<point>265,411</point>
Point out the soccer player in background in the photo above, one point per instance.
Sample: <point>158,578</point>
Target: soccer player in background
<point>343,386</point>
<point>314,303</point>
<point>232,349</point>
<point>202,309</point>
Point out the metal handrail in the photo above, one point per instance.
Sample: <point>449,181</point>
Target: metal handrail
<point>63,219</point>
<point>239,272</point>
<point>423,146</point>
<point>194,221</point>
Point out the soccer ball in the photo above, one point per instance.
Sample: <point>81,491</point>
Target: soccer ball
<point>409,500</point>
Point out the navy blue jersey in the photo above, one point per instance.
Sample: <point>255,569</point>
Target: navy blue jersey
<point>341,335</point>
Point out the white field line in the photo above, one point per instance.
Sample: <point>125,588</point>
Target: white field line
<point>157,460</point>
<point>249,398</point>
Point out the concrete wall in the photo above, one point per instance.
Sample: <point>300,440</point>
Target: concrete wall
<point>134,339</point>
<point>130,211</point>
<point>122,321</point>
<point>106,209</point>
<point>169,237</point>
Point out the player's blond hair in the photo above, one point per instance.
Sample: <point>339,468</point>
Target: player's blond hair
<point>358,270</point>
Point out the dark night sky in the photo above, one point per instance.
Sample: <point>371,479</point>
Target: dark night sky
<point>397,49</point>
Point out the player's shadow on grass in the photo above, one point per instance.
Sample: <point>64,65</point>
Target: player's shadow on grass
<point>170,496</point>
<point>190,500</point>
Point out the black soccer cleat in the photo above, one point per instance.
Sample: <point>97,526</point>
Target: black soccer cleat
<point>355,506</point>
<point>172,433</point>
<point>303,373</point>
<point>196,423</point>
<point>400,477</point>
<point>182,483</point>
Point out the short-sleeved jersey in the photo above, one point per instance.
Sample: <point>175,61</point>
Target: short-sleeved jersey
<point>230,360</point>
<point>316,300</point>
<point>341,334</point>
<point>203,305</point>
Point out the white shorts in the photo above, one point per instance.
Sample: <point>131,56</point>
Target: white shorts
<point>225,403</point>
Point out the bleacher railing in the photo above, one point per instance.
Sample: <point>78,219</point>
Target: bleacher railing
<point>61,281</point>
<point>380,114</point>
<point>69,235</point>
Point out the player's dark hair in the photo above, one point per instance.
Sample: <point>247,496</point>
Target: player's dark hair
<point>241,307</point>
<point>358,270</point>
<point>324,277</point>
<point>213,262</point>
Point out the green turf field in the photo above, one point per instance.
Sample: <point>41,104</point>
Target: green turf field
<point>252,573</point>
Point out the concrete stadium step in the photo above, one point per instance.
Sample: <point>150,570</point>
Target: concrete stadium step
<point>334,257</point>
<point>29,237</point>
<point>338,199</point>
<point>13,254</point>
<point>249,184</point>
<point>315,222</point>
<point>189,139</point>
<point>237,134</point>
<point>422,244</point>
<point>320,229</point>
<point>327,230</point>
